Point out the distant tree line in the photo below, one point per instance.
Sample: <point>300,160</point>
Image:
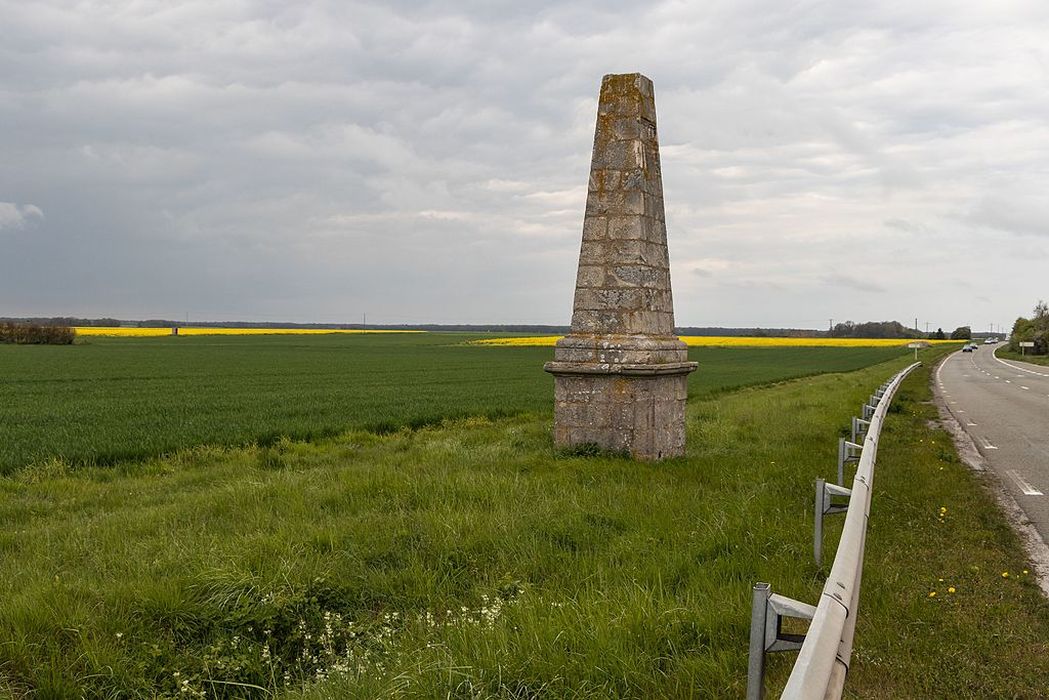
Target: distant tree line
<point>1033,330</point>
<point>67,321</point>
<point>874,329</point>
<point>36,334</point>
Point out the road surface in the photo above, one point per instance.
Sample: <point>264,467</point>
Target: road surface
<point>1004,406</point>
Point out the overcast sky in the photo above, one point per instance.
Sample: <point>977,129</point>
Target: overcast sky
<point>427,162</point>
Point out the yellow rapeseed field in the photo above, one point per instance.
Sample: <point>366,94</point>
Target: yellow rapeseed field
<point>154,332</point>
<point>733,342</point>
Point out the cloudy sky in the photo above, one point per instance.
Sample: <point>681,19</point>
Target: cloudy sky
<point>427,161</point>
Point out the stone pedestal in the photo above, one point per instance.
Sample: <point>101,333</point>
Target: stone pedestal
<point>621,374</point>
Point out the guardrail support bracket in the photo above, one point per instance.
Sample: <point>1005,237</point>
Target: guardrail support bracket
<point>859,427</point>
<point>848,452</point>
<point>825,505</point>
<point>766,632</point>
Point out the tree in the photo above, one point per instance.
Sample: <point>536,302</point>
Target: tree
<point>1032,330</point>
<point>962,333</point>
<point>873,329</point>
<point>939,335</point>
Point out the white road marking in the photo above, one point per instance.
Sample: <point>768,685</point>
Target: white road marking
<point>987,444</point>
<point>1025,387</point>
<point>1008,381</point>
<point>997,377</point>
<point>970,424</point>
<point>1024,486</point>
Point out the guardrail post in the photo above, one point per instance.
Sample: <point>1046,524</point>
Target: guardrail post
<point>766,632</point>
<point>847,452</point>
<point>756,661</point>
<point>859,427</point>
<point>825,506</point>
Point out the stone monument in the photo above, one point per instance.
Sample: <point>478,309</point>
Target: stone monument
<point>620,376</point>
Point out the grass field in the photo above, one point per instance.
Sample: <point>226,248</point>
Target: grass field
<point>112,399</point>
<point>469,560</point>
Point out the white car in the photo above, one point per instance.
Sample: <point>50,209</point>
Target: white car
<point>990,341</point>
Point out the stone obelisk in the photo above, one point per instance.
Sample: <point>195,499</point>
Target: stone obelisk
<point>620,376</point>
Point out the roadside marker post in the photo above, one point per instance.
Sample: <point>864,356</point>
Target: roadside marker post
<point>1025,344</point>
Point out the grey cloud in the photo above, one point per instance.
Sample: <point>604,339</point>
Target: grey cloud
<point>426,161</point>
<point>858,284</point>
<point>1014,213</point>
<point>18,216</point>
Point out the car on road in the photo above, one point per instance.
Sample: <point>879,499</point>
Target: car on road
<point>969,347</point>
<point>990,341</point>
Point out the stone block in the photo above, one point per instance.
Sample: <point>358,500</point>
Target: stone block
<point>605,181</point>
<point>593,252</point>
<point>615,202</point>
<point>590,276</point>
<point>640,416</point>
<point>625,228</point>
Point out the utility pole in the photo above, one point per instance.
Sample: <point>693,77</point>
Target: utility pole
<point>364,323</point>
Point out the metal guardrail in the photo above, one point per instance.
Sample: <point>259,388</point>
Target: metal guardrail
<point>825,650</point>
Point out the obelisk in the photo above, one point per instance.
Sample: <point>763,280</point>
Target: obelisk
<point>621,375</point>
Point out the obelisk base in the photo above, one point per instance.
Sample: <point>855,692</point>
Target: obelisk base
<point>635,409</point>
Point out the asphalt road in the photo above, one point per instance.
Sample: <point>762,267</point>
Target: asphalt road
<point>1004,406</point>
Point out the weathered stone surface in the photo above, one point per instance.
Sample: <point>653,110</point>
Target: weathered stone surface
<point>621,374</point>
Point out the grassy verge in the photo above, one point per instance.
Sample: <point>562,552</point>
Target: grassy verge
<point>1033,359</point>
<point>470,560</point>
<point>950,607</point>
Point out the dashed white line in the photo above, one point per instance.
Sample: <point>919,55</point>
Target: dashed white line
<point>987,444</point>
<point>1024,486</point>
<point>1026,388</point>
